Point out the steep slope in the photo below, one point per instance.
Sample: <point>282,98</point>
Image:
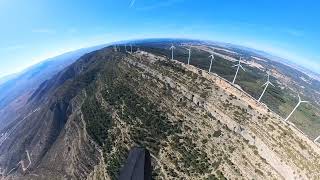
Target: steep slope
<point>44,121</point>
<point>15,91</point>
<point>210,127</point>
<point>82,123</point>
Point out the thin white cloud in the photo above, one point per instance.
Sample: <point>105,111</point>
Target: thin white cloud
<point>44,31</point>
<point>132,3</point>
<point>162,3</point>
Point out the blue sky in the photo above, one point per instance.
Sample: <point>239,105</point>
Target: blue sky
<point>34,30</point>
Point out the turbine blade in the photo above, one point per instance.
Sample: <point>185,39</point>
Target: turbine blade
<point>242,68</point>
<point>271,84</point>
<point>264,84</point>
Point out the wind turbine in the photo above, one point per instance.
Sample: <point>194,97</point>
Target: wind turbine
<point>239,66</point>
<point>29,159</point>
<point>172,48</point>
<point>266,86</point>
<point>131,48</point>
<point>316,139</point>
<point>295,108</point>
<point>2,172</point>
<point>22,164</point>
<point>189,50</point>
<point>212,58</point>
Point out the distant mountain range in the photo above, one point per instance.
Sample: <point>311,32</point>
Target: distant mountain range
<point>15,89</point>
<point>7,78</point>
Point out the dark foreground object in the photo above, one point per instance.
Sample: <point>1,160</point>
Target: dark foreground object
<point>138,165</point>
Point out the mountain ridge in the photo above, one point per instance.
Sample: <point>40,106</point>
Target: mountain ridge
<point>81,123</point>
<point>15,91</point>
<point>194,122</point>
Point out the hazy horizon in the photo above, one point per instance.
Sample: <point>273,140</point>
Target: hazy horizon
<point>62,53</point>
<point>37,30</point>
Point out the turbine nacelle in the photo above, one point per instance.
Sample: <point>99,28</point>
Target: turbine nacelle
<point>131,48</point>
<point>265,85</point>
<point>301,101</point>
<point>238,67</point>
<point>239,64</point>
<point>268,82</point>
<point>172,47</point>
<point>212,58</point>
<point>294,109</point>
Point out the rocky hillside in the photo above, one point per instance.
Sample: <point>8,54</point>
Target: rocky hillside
<point>82,123</point>
<point>16,89</point>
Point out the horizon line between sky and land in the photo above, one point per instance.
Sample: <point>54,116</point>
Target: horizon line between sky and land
<point>36,62</point>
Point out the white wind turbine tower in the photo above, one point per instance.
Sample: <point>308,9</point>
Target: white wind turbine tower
<point>316,139</point>
<point>189,50</point>
<point>239,66</point>
<point>22,164</point>
<point>29,159</point>
<point>172,48</point>
<point>266,86</point>
<point>2,172</point>
<point>295,108</point>
<point>115,48</point>
<point>131,48</point>
<point>212,58</point>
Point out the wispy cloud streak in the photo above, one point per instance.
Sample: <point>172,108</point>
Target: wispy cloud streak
<point>162,3</point>
<point>132,3</point>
